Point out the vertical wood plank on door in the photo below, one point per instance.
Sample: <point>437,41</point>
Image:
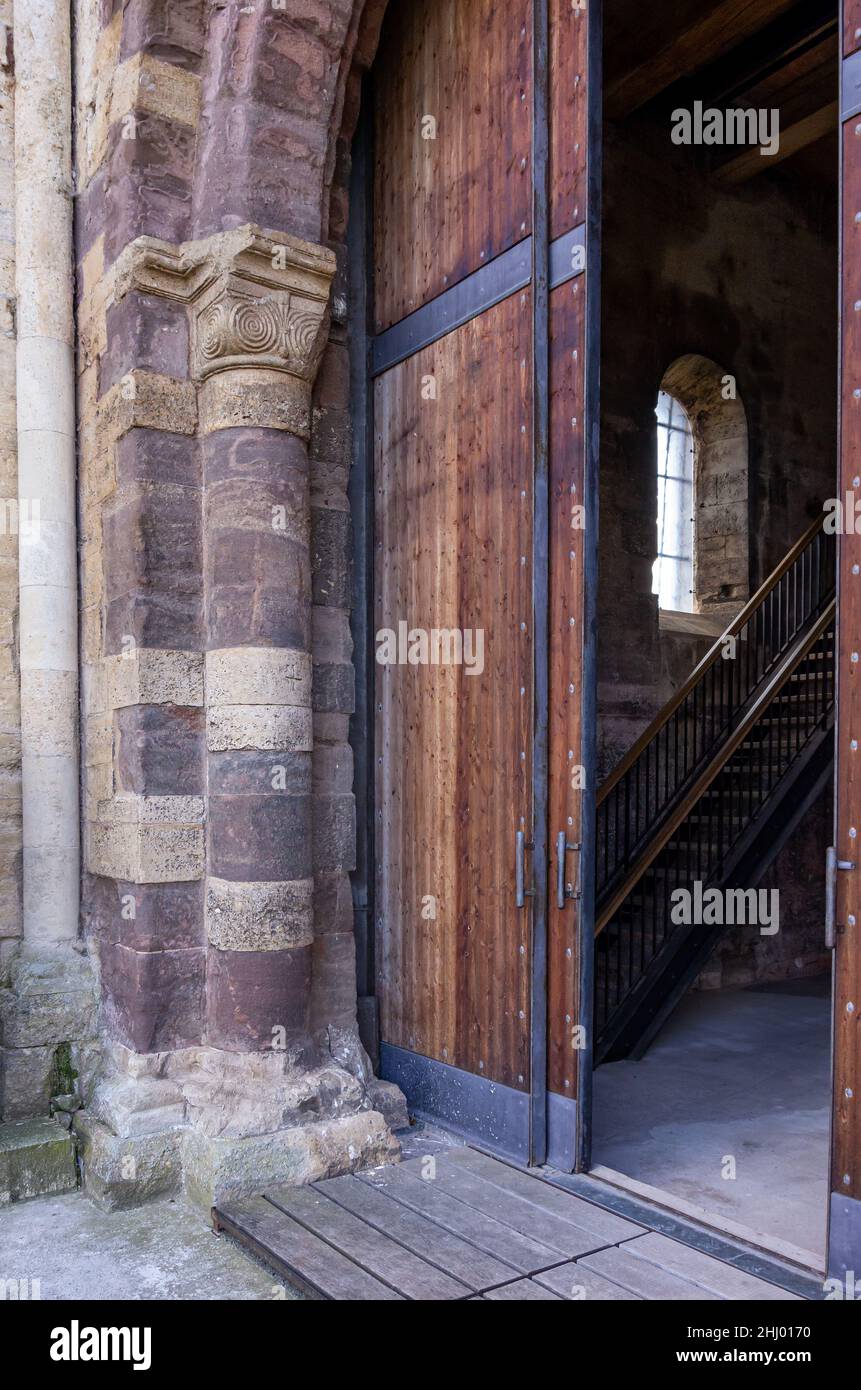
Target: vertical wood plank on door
<point>851,26</point>
<point>846,1129</point>
<point>453,529</point>
<point>567,318</point>
<point>568,47</point>
<point>446,206</point>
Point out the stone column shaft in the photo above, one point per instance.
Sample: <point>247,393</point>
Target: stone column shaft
<point>259,330</point>
<point>46,470</point>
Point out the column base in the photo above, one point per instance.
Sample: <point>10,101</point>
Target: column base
<point>221,1170</point>
<point>222,1125</point>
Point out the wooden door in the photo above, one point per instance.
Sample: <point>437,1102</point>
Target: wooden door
<point>477,359</point>
<point>845,1205</point>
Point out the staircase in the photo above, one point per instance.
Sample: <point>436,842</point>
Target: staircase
<point>710,793</point>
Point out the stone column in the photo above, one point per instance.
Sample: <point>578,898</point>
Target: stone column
<point>46,471</point>
<point>259,331</point>
<point>47,999</point>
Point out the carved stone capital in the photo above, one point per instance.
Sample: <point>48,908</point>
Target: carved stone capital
<point>258,299</point>
<point>269,307</point>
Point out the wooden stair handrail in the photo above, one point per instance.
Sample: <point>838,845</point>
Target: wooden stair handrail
<point>664,715</point>
<point>796,654</point>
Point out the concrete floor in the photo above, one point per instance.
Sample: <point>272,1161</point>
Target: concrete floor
<point>742,1074</point>
<point>165,1250</point>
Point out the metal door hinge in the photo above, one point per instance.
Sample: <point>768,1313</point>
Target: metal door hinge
<point>565,890</point>
<point>832,864</point>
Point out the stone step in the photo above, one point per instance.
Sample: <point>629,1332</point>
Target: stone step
<point>37,1158</point>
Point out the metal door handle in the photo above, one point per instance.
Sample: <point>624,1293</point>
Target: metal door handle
<point>832,864</point>
<point>563,891</point>
<point>521,893</point>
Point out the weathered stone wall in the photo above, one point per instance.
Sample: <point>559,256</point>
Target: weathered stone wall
<point>10,708</point>
<point>219,820</point>
<point>691,268</point>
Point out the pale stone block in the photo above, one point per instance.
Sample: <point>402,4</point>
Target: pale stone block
<point>259,726</point>
<point>146,400</point>
<point>49,474</point>
<point>37,1159</point>
<point>144,83</point>
<point>254,397</point>
<point>258,676</point>
<point>94,693</point>
<point>132,1106</point>
<point>122,1172</point>
<point>46,386</point>
<point>48,553</point>
<point>259,916</point>
<point>51,890</point>
<point>145,853</point>
<point>98,787</point>
<point>222,1170</point>
<point>43,254</point>
<point>131,808</point>
<point>150,676</point>
<point>51,725</point>
<point>91,633</point>
<point>51,798</point>
<point>48,630</point>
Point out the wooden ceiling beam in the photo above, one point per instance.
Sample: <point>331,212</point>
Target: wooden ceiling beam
<point>794,138</point>
<point>712,29</point>
<point>806,28</point>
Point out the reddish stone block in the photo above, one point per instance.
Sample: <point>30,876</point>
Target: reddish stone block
<point>333,903</point>
<point>173,30</point>
<point>156,456</point>
<point>144,916</point>
<point>333,981</point>
<point>253,455</point>
<point>148,187</point>
<point>90,215</point>
<point>334,688</point>
<point>331,549</point>
<point>269,169</point>
<point>332,386</point>
<point>152,557</point>
<point>153,1000</point>
<point>258,590</point>
<point>254,773</point>
<point>334,820</point>
<point>259,839</point>
<point>144,332</point>
<point>255,998</point>
<point>160,750</point>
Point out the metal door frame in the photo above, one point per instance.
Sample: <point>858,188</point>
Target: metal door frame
<point>844,1209</point>
<point>591,488</point>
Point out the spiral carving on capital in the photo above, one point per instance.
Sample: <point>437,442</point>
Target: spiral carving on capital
<point>276,329</point>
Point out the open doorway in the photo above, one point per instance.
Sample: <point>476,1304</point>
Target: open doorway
<point>716,707</point>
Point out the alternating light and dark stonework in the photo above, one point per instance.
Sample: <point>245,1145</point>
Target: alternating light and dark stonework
<point>220,1049</point>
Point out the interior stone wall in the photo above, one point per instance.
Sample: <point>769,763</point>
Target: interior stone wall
<point>690,267</point>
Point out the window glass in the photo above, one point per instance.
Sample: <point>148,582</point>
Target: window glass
<point>673,570</point>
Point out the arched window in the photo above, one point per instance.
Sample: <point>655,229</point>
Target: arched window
<point>673,570</point>
<point>703,559</point>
